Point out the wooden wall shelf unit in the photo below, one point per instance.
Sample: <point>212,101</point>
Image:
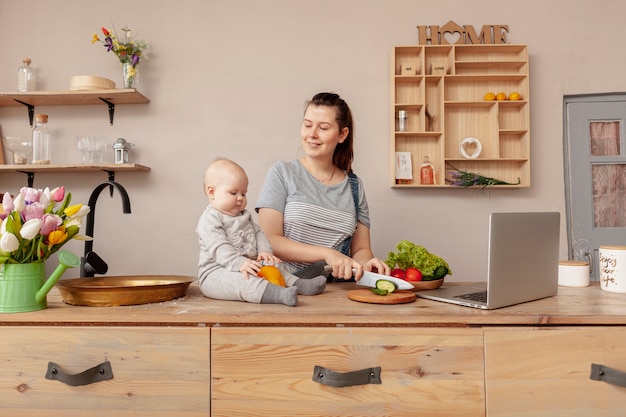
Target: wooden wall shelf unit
<point>454,100</point>
<point>110,169</point>
<point>32,99</point>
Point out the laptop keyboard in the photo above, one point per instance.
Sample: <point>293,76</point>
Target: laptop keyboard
<point>480,296</point>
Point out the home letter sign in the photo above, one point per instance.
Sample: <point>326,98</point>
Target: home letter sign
<point>452,33</point>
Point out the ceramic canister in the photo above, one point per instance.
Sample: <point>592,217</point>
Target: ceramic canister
<point>612,268</point>
<point>573,274</point>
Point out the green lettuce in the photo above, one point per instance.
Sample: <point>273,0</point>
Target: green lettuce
<point>410,255</point>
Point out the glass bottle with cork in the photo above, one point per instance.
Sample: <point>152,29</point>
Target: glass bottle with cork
<point>41,140</point>
<point>26,77</point>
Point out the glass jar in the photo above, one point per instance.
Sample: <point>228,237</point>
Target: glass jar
<point>26,77</point>
<point>41,140</point>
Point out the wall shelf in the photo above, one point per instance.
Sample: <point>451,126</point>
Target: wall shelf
<point>110,169</point>
<point>448,106</point>
<point>111,98</point>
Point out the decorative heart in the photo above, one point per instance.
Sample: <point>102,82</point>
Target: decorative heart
<point>452,37</point>
<point>470,148</point>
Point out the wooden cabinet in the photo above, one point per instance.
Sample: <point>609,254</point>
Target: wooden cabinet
<point>442,90</point>
<point>200,357</point>
<point>272,371</point>
<point>546,371</point>
<point>155,371</point>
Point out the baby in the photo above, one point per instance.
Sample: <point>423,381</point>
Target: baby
<point>233,247</point>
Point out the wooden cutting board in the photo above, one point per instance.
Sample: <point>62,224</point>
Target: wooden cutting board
<point>364,295</point>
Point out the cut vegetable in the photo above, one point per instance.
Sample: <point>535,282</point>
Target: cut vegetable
<point>378,291</point>
<point>383,284</point>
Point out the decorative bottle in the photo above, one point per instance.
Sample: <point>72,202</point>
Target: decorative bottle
<point>403,117</point>
<point>427,172</point>
<point>41,140</point>
<point>26,77</point>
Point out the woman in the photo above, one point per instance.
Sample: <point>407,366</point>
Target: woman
<point>313,209</point>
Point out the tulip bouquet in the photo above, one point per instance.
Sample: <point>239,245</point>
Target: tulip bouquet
<point>128,49</point>
<point>37,223</point>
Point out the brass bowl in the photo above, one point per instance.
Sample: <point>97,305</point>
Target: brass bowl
<point>426,285</point>
<point>111,291</point>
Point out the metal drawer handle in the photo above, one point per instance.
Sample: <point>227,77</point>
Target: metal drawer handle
<point>98,373</point>
<point>609,375</point>
<point>346,379</point>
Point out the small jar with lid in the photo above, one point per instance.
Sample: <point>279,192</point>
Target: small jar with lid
<point>41,140</point>
<point>26,77</point>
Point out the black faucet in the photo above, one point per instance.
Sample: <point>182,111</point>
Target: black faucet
<point>91,263</point>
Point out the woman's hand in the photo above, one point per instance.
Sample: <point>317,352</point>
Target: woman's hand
<point>378,266</point>
<point>342,266</point>
<point>267,258</point>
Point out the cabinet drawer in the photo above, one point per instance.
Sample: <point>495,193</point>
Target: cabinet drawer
<point>545,371</point>
<point>269,371</point>
<point>156,371</point>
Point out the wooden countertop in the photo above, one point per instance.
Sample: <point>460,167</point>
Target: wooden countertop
<point>572,306</point>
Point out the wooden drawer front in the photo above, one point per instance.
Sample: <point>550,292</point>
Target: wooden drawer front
<point>268,371</point>
<point>536,372</point>
<point>156,371</point>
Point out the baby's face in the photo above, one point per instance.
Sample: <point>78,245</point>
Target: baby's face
<point>229,195</point>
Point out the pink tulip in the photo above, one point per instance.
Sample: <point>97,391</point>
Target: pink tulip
<point>33,211</point>
<point>58,194</point>
<point>50,223</point>
<point>7,203</point>
<point>31,195</point>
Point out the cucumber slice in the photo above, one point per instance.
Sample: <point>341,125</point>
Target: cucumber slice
<point>383,284</point>
<point>378,291</point>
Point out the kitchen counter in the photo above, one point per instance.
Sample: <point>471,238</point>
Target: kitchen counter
<point>195,356</point>
<point>572,306</point>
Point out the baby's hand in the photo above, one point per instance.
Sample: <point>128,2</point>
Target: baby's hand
<point>268,258</point>
<point>250,266</point>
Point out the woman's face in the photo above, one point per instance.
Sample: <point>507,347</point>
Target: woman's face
<point>320,132</point>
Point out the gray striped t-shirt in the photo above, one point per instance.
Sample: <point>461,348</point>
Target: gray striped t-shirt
<point>313,213</point>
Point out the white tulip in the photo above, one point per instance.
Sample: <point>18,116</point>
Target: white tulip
<point>30,229</point>
<point>9,242</point>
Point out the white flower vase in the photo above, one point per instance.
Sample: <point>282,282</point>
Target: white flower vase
<point>130,74</point>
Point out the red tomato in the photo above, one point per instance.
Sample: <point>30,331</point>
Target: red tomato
<point>413,274</point>
<point>398,273</point>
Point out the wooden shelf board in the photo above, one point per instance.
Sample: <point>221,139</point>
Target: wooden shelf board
<point>418,134</point>
<point>474,160</point>
<point>73,168</point>
<point>66,98</point>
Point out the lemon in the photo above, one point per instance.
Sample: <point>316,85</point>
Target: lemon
<point>272,274</point>
<point>490,96</point>
<point>501,96</point>
<point>515,96</point>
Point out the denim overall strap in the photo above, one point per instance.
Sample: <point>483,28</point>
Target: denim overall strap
<point>354,186</point>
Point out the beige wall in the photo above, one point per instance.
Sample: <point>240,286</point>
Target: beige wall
<point>229,78</point>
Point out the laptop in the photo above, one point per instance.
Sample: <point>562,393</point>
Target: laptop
<point>522,265</point>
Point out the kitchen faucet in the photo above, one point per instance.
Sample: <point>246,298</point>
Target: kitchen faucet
<point>91,263</point>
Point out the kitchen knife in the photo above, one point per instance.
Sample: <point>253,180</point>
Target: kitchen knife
<point>369,279</point>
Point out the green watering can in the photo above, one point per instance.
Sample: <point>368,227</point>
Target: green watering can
<point>24,287</point>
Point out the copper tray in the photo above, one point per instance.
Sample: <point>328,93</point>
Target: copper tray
<point>109,291</point>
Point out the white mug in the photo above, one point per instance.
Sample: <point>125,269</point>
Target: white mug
<point>612,268</point>
<point>573,274</point>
